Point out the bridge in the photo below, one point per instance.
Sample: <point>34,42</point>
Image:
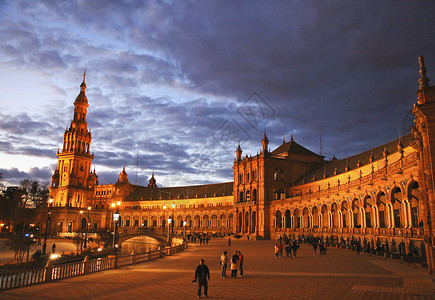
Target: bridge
<point>156,233</point>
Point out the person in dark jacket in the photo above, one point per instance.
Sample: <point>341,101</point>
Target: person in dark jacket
<point>202,273</point>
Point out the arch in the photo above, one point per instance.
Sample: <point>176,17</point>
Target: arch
<point>278,219</point>
<point>84,224</point>
<point>253,221</point>
<point>397,204</point>
<point>205,223</point>
<point>239,222</point>
<point>334,215</point>
<point>315,214</point>
<point>356,213</point>
<point>414,196</point>
<point>297,218</point>
<point>223,220</point>
<point>214,221</point>
<point>369,211</point>
<point>381,203</point>
<point>230,221</point>
<point>246,225</point>
<point>345,214</point>
<point>287,218</point>
<point>306,220</point>
<point>196,221</point>
<point>324,216</point>
<point>241,196</point>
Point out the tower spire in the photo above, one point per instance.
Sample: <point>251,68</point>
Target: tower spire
<point>424,81</point>
<point>83,85</point>
<point>265,141</point>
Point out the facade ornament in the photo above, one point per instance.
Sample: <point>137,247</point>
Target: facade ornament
<point>424,80</point>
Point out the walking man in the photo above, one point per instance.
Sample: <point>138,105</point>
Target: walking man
<point>202,273</point>
<point>224,263</point>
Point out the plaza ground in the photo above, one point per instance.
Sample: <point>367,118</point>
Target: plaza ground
<point>341,274</point>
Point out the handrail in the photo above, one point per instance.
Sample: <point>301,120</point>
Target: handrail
<point>51,272</point>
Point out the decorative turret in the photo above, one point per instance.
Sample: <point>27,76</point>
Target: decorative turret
<point>123,176</point>
<point>425,93</point>
<point>152,183</point>
<point>239,153</point>
<point>265,142</point>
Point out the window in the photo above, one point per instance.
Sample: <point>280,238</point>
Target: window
<point>275,174</point>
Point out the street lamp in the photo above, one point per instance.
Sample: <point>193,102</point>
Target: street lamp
<point>173,221</point>
<point>115,219</point>
<point>44,246</point>
<point>87,226</point>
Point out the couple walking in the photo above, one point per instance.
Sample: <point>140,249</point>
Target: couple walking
<point>236,263</point>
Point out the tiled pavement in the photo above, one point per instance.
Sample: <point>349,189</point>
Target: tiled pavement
<point>340,274</point>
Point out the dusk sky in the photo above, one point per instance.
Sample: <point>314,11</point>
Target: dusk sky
<point>174,86</point>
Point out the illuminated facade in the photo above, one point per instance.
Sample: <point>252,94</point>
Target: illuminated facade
<point>383,196</point>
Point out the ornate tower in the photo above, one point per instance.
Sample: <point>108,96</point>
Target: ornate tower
<point>72,182</point>
<point>424,142</point>
<point>265,142</point>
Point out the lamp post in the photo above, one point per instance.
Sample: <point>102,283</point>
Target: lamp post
<point>88,223</point>
<point>173,222</point>
<point>44,246</point>
<point>115,233</point>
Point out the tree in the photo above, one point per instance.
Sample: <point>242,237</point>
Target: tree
<point>11,205</point>
<point>36,193</point>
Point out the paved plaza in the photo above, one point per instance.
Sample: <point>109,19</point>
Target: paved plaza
<point>341,274</point>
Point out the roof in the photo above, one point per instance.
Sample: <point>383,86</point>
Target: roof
<point>293,147</point>
<point>351,162</point>
<point>183,192</point>
<point>81,98</point>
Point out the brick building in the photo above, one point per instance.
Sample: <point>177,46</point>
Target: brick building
<point>383,197</point>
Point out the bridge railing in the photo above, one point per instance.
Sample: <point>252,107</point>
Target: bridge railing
<point>51,272</point>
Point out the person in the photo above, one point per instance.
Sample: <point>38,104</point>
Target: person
<point>241,264</point>
<point>325,246</point>
<point>280,248</point>
<point>288,249</point>
<point>234,262</point>
<point>315,246</point>
<point>202,273</point>
<point>229,242</point>
<point>224,262</point>
<point>53,248</point>
<point>276,250</point>
<point>295,247</point>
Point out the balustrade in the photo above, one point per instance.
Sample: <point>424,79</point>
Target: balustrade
<point>54,272</point>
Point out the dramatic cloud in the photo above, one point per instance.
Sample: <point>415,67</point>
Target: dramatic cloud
<point>173,86</point>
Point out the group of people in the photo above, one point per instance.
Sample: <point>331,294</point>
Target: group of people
<point>203,239</point>
<point>291,248</point>
<point>236,263</point>
<point>202,272</point>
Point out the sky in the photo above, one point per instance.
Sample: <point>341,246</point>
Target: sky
<point>174,86</point>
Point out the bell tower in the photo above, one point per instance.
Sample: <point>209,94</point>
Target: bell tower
<point>72,182</point>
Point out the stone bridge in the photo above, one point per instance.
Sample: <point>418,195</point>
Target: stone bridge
<point>158,234</point>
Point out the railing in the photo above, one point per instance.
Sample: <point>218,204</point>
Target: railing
<point>54,272</point>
